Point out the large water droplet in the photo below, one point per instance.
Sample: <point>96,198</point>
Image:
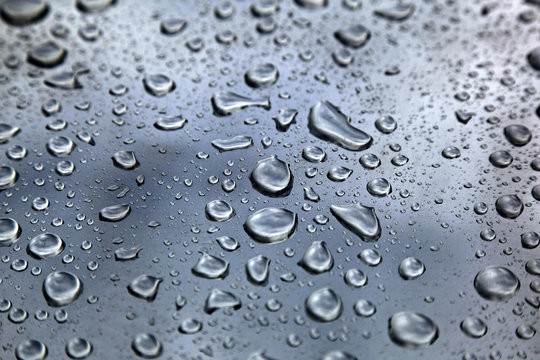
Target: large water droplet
<point>509,206</point>
<point>398,12</point>
<point>31,350</point>
<point>61,288</point>
<point>147,346</point>
<point>496,283</point>
<point>258,269</point>
<point>45,245</point>
<point>272,177</point>
<point>9,231</point>
<point>8,177</point>
<point>145,287</point>
<point>324,305</point>
<point>473,327</point>
<point>518,135</point>
<point>124,159</point>
<point>271,225</point>
<point>219,210</point>
<point>23,12</point>
<point>219,299</point>
<point>211,267</point>
<point>327,122</point>
<point>361,220</point>
<point>47,55</point>
<point>317,258</point>
<point>169,123</point>
<point>411,268</point>
<point>412,330</point>
<point>60,146</point>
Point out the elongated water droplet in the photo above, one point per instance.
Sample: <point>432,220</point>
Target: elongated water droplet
<point>158,84</point>
<point>327,122</point>
<point>399,12</point>
<point>169,123</point>
<point>219,210</point>
<point>124,159</point>
<point>235,143</point>
<point>226,102</point>
<point>262,75</point>
<point>9,231</point>
<point>115,212</point>
<point>354,36</point>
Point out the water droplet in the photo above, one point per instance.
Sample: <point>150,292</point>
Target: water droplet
<point>398,12</point>
<point>339,173</point>
<point>451,152</point>
<point>23,12</point>
<point>219,210</point>
<point>78,348</point>
<point>31,350</point>
<point>124,159</point>
<point>354,36</point>
<point>172,26</point>
<point>272,177</point>
<point>114,213</point>
<point>60,146</point>
<point>158,84</point>
<point>9,231</point>
<point>361,220</point>
<point>45,246</point>
<point>317,259</point>
<point>412,330</point>
<point>386,124</point>
<point>8,177</point>
<point>7,132</point>
<point>226,102</point>
<point>518,135</point>
<point>169,123</point>
<point>61,288</point>
<point>258,269</point>
<point>501,159</point>
<point>324,305</point>
<point>235,143</point>
<point>219,299</point>
<point>379,187</point>
<point>314,154</point>
<point>411,268</point>
<point>145,287</point>
<point>211,267</point>
<point>327,122</point>
<point>364,308</point>
<point>147,346</point>
<point>228,243</point>
<point>473,327</point>
<point>496,283</point>
<point>356,278</point>
<point>509,206</point>
<point>262,75</point>
<point>47,55</point>
<point>271,225</point>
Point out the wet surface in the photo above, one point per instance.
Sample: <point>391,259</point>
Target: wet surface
<point>269,179</point>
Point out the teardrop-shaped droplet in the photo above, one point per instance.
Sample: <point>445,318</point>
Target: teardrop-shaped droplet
<point>272,177</point>
<point>258,269</point>
<point>271,225</point>
<point>327,122</point>
<point>496,283</point>
<point>219,210</point>
<point>125,254</point>
<point>226,102</point>
<point>219,299</point>
<point>228,243</point>
<point>324,305</point>
<point>361,220</point>
<point>317,258</point>
<point>45,246</point>
<point>412,330</point>
<point>115,212</point>
<point>211,267</point>
<point>145,287</point>
<point>61,288</point>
